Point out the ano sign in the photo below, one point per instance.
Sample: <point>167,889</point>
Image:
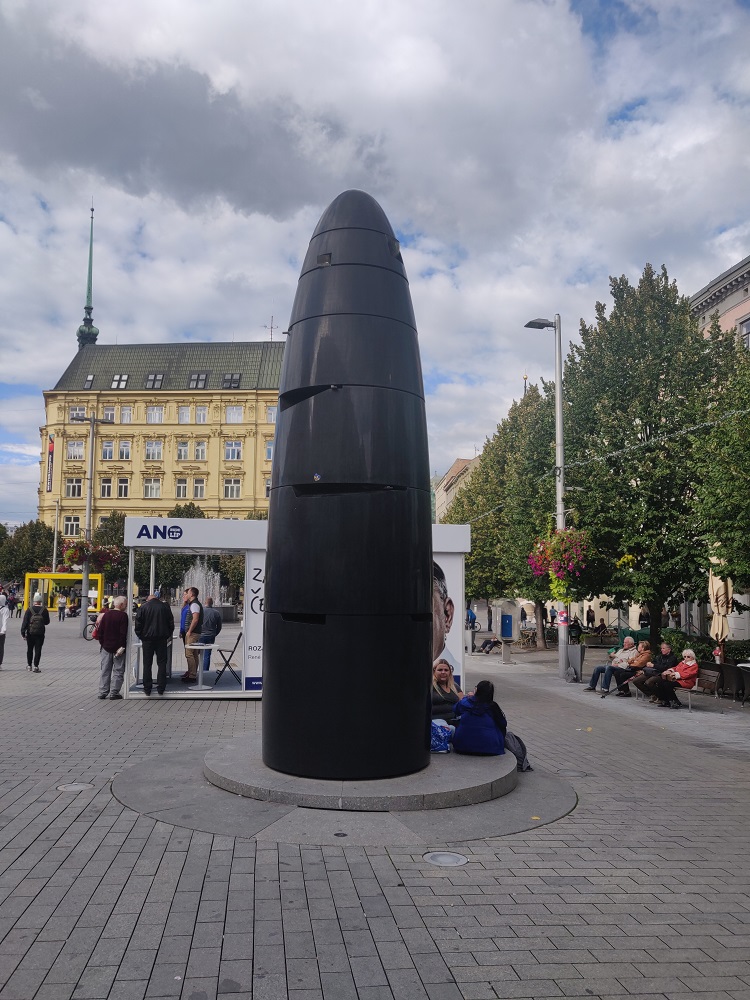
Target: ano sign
<point>172,532</point>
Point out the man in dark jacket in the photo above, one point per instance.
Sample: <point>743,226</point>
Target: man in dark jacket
<point>154,625</point>
<point>210,629</point>
<point>33,627</point>
<point>664,660</point>
<point>112,633</point>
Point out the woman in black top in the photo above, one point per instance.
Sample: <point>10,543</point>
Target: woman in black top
<point>445,694</point>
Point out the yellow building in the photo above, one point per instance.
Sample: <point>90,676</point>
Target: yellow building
<point>175,423</point>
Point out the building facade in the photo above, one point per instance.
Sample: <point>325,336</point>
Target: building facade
<point>729,296</point>
<point>175,423</point>
<point>456,477</point>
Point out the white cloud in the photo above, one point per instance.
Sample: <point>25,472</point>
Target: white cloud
<point>525,151</point>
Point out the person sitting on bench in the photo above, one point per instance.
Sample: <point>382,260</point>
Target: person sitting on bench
<point>489,644</point>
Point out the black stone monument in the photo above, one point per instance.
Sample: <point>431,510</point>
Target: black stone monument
<point>348,600</point>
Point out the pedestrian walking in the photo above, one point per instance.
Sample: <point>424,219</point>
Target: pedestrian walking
<point>4,616</point>
<point>33,627</point>
<point>112,633</point>
<point>19,607</point>
<point>211,627</point>
<point>154,625</point>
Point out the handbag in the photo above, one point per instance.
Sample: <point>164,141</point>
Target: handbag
<point>95,630</point>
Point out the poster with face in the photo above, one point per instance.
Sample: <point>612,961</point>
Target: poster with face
<point>447,618</point>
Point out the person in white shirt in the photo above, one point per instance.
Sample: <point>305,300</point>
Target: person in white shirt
<point>621,658</point>
<point>4,616</point>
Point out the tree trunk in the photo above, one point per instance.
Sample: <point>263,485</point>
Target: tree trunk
<point>654,637</point>
<point>541,639</point>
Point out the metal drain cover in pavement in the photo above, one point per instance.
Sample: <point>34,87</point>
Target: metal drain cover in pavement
<point>74,786</point>
<point>568,773</point>
<point>445,859</point>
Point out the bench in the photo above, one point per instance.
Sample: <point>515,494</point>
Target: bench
<point>706,681</point>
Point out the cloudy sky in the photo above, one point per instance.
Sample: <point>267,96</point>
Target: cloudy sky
<point>524,150</point>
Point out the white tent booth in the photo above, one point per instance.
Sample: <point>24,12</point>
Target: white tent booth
<point>206,537</point>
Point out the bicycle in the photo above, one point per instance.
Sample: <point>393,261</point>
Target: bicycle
<point>88,632</point>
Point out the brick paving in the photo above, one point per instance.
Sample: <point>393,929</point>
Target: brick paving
<point>641,891</point>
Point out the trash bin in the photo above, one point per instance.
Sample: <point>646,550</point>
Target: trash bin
<point>575,659</point>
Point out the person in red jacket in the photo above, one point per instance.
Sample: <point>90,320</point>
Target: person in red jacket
<point>112,633</point>
<point>683,675</point>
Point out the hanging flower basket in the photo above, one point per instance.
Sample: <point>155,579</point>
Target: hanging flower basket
<point>563,556</point>
<point>100,557</point>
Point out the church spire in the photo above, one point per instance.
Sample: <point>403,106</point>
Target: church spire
<point>87,332</point>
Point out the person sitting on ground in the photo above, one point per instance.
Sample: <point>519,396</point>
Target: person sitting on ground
<point>623,674</point>
<point>683,675</point>
<point>489,644</point>
<point>481,724</point>
<point>646,680</point>
<point>620,658</point>
<point>445,694</point>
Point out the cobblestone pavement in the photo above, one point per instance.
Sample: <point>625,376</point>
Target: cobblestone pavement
<point>641,891</point>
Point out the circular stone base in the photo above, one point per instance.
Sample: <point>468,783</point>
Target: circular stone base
<point>450,780</point>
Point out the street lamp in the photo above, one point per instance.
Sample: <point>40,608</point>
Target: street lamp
<point>92,421</point>
<point>548,324</point>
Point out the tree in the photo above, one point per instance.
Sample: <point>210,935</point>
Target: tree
<point>26,550</point>
<point>723,476</point>
<point>170,569</point>
<point>111,534</point>
<point>508,502</point>
<point>641,376</point>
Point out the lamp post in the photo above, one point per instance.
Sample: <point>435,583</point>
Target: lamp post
<point>92,421</point>
<point>548,324</point>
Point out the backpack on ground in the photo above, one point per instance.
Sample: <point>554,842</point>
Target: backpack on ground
<point>36,623</point>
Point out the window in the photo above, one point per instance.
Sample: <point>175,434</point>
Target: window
<point>154,414</point>
<point>200,451</point>
<point>234,415</point>
<point>126,414</point>
<point>231,380</point>
<point>269,450</point>
<point>268,488</point>
<point>154,380</point>
<point>745,333</point>
<point>271,414</point>
<point>199,489</point>
<point>201,414</point>
<point>106,489</point>
<point>153,451</point>
<point>109,413</point>
<point>232,451</point>
<point>231,489</point>
<point>75,451</point>
<point>124,451</point>
<point>180,490</point>
<point>123,488</point>
<point>89,382</point>
<point>183,414</point>
<point>73,487</point>
<point>182,451</point>
<point>151,488</point>
<point>108,451</point>
<point>119,382</point>
<point>198,380</point>
<point>77,411</point>
<point>71,525</point>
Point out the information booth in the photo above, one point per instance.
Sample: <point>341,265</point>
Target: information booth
<point>241,646</point>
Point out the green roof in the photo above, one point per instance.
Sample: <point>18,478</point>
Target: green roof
<point>258,363</point>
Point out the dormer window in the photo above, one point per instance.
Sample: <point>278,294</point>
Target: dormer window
<point>198,380</point>
<point>119,382</point>
<point>231,380</point>
<point>154,380</point>
<point>89,382</point>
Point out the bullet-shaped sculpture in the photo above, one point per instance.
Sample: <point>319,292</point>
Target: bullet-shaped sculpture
<point>348,598</point>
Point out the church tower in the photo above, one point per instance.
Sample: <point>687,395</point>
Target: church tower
<point>87,332</point>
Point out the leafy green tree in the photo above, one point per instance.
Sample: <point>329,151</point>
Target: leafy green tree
<point>170,569</point>
<point>4,535</point>
<point>509,500</point>
<point>722,482</point>
<point>640,377</point>
<point>112,532</point>
<point>26,550</point>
